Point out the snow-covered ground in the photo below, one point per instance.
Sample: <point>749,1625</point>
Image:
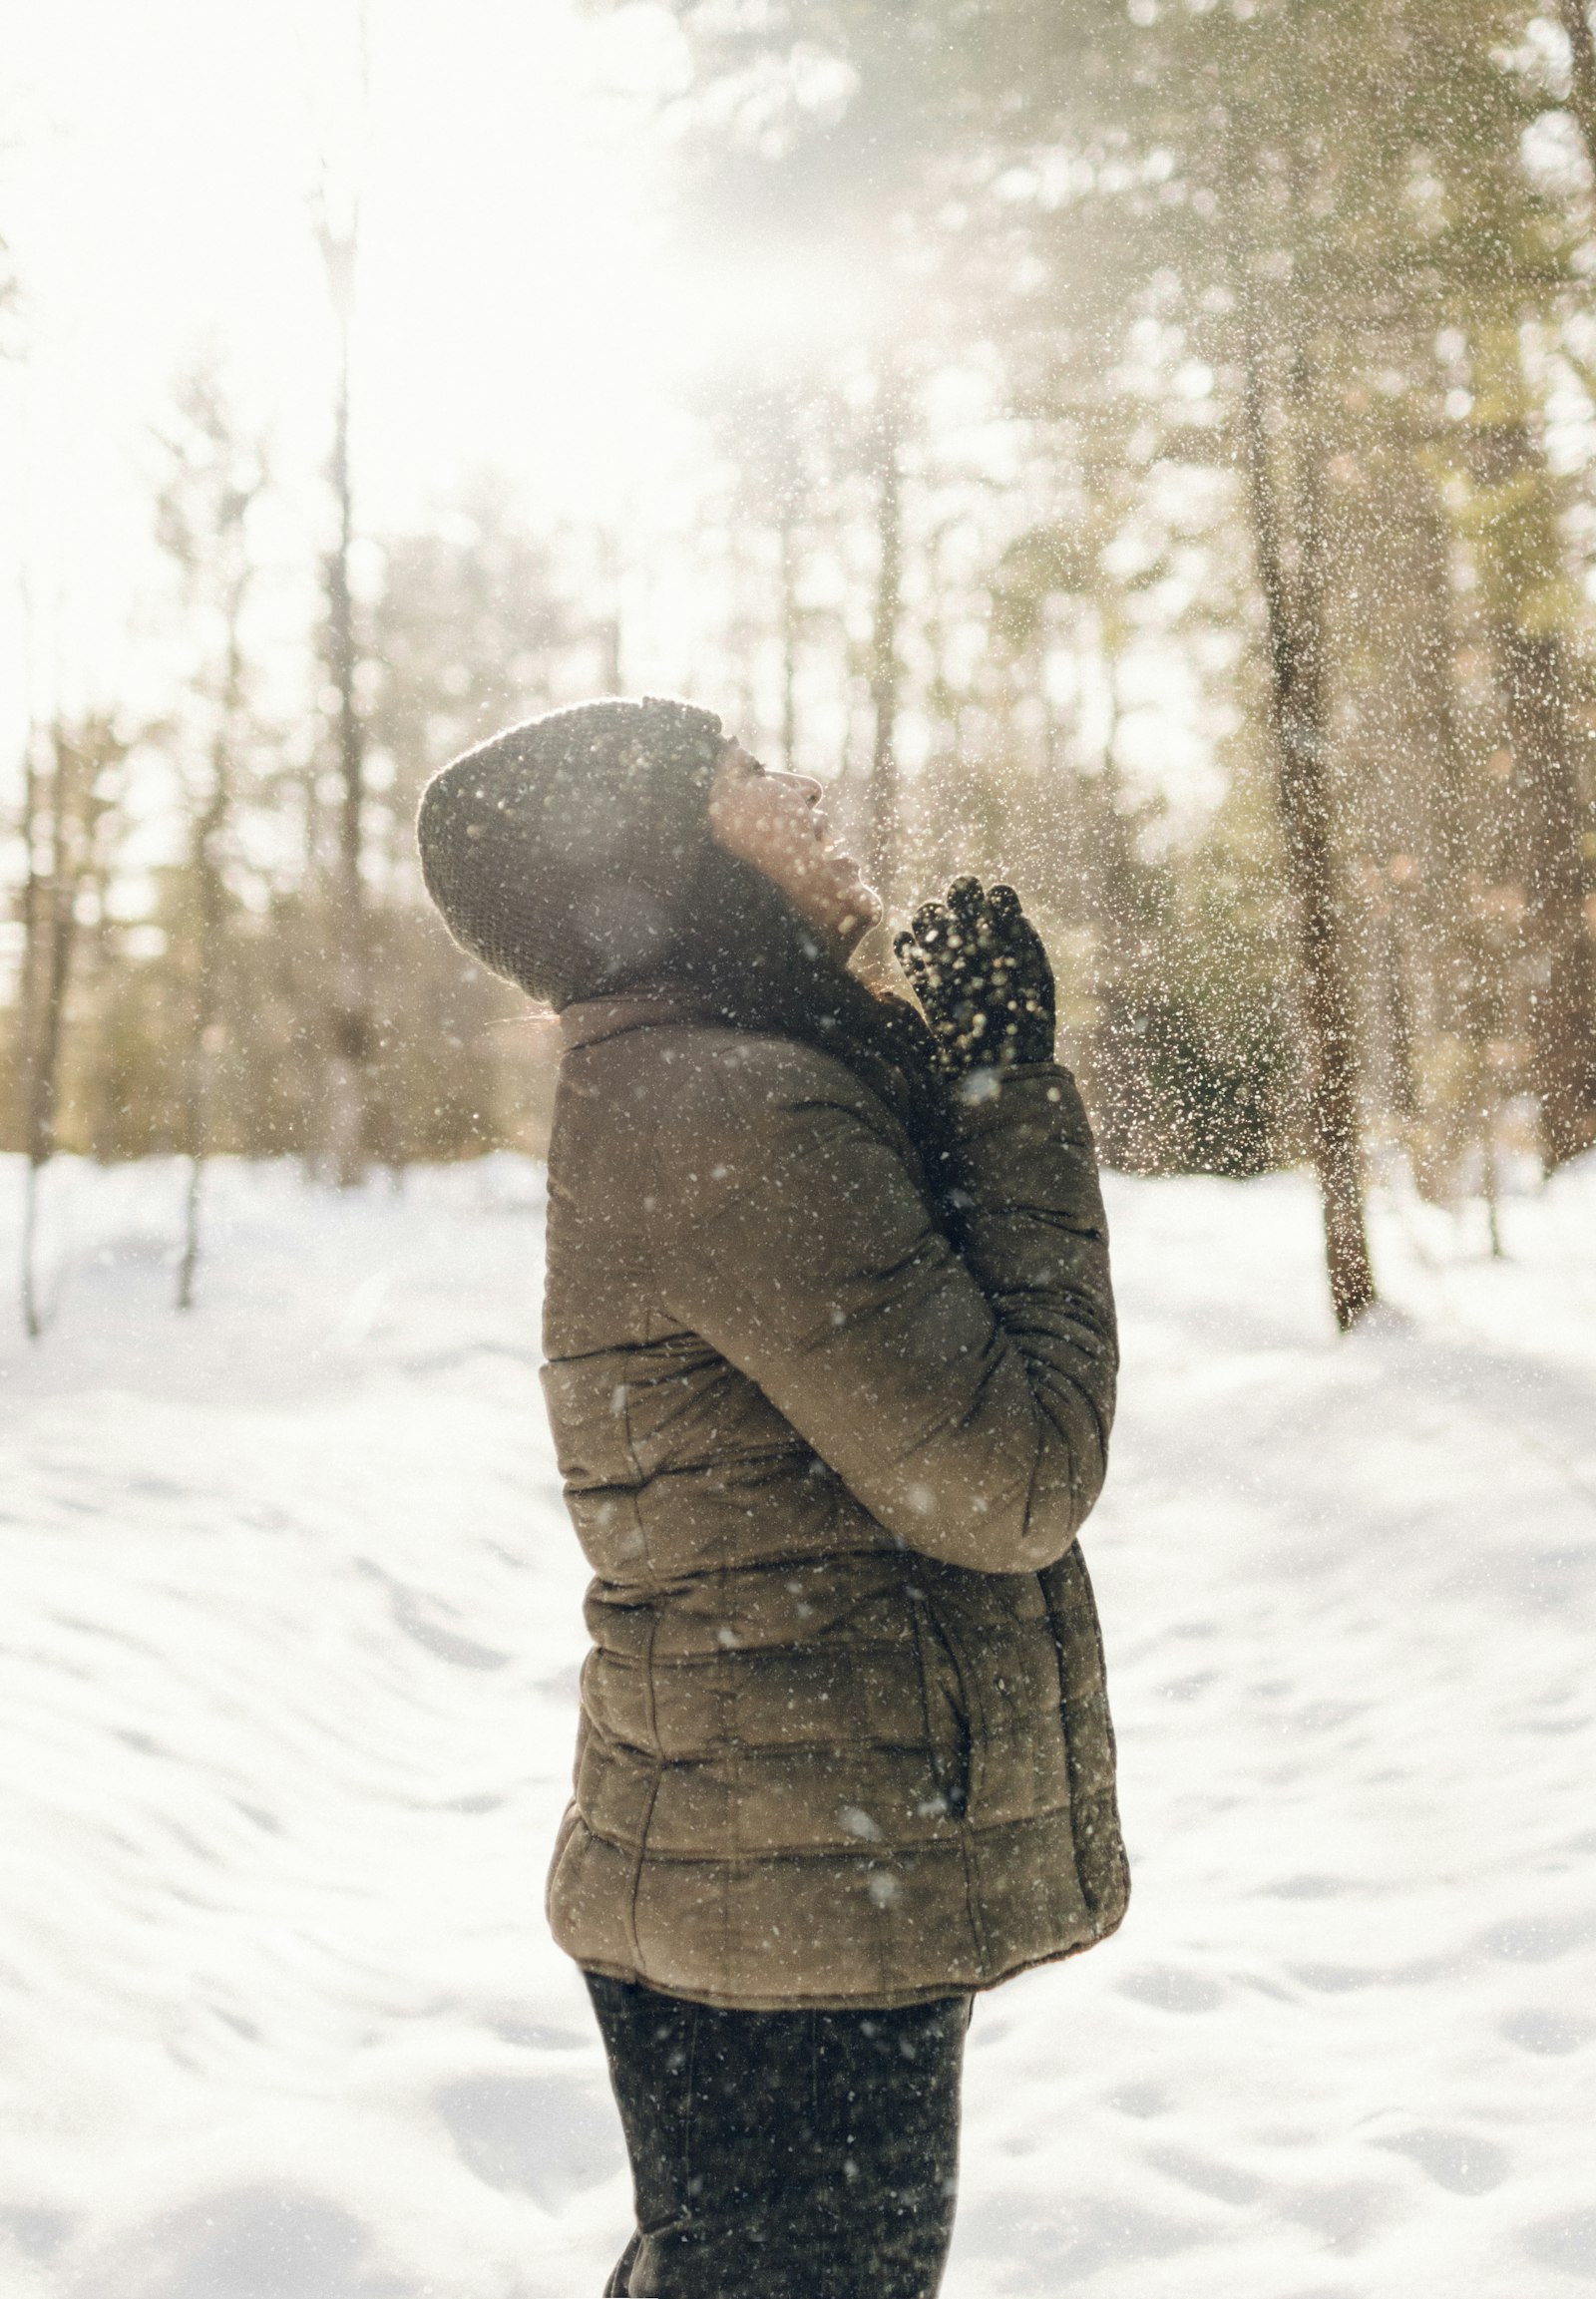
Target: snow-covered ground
<point>288,1660</point>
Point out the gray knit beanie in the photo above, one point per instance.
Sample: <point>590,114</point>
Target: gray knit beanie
<point>560,852</point>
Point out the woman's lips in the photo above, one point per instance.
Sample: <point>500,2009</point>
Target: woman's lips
<point>834,857</point>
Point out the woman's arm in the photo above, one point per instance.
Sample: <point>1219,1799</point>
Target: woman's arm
<point>965,1400</point>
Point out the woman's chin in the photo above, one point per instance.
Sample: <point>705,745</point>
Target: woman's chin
<point>859,910</point>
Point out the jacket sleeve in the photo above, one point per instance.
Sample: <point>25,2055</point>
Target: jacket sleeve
<point>963,1396</point>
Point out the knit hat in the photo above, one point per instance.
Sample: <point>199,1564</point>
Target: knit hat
<point>560,852</point>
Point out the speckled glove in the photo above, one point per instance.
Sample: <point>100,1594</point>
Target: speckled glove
<point>978,967</point>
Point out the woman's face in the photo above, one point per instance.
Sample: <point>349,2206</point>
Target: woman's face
<point>776,822</point>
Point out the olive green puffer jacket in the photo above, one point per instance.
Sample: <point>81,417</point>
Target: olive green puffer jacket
<point>843,1735</point>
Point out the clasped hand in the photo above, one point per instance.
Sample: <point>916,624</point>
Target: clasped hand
<point>978,967</point>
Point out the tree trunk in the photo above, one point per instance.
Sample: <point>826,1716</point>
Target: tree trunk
<point>1571,1121</point>
<point>1294,603</point>
<point>609,630</point>
<point>35,959</point>
<point>31,916</point>
<point>1447,825</point>
<point>202,1051</point>
<point>50,925</point>
<point>789,636</point>
<point>886,670</point>
<point>1544,793</point>
<point>1399,1004</point>
<point>1547,805</point>
<point>349,1016</point>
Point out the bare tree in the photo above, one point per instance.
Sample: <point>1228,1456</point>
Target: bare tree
<point>1289,540</point>
<point>1518,546</point>
<point>65,806</point>
<point>349,1024</point>
<point>886,664</point>
<point>216,473</point>
<point>611,627</point>
<point>774,427</point>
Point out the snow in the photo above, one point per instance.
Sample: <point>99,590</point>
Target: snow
<point>289,1645</point>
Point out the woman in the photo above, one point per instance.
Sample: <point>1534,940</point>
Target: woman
<point>831,1365</point>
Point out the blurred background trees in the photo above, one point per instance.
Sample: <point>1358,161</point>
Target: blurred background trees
<point>1186,510</point>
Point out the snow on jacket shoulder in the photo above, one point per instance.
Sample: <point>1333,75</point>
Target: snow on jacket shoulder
<point>844,1736</point>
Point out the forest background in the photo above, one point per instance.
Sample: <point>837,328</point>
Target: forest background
<point>1152,456</point>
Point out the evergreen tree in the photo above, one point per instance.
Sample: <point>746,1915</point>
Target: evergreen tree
<point>1296,199</point>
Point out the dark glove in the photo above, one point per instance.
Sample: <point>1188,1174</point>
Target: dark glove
<point>978,967</point>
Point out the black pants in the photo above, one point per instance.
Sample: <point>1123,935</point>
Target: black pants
<point>785,2154</point>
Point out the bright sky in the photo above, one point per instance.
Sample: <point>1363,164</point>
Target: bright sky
<point>521,305</point>
<point>523,302</point>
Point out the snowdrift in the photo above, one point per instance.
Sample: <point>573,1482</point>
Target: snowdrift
<point>291,1638</point>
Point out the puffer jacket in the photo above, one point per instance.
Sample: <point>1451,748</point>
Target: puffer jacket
<point>844,1736</point>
